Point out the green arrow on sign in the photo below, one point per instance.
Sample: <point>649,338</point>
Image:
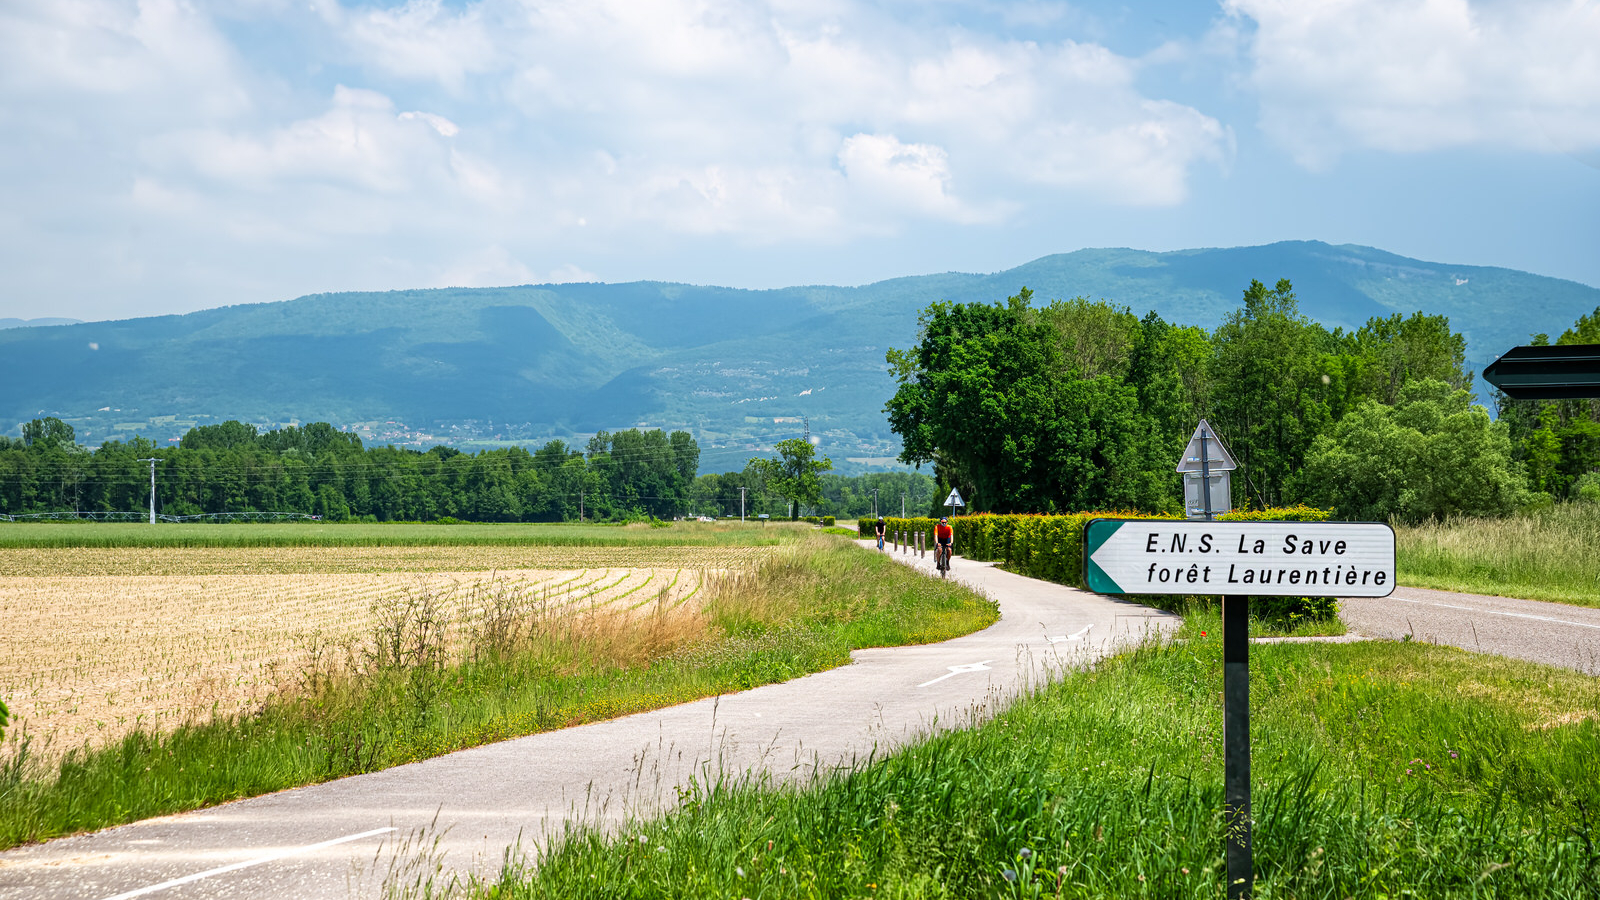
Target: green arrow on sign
<point>1095,534</point>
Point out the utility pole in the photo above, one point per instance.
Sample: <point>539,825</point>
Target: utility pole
<point>580,503</point>
<point>741,504</point>
<point>874,503</point>
<point>152,461</point>
<point>902,504</point>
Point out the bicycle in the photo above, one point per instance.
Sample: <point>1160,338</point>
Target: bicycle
<point>941,559</point>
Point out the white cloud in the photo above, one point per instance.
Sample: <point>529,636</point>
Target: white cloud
<point>254,149</point>
<point>1410,76</point>
<point>570,274</point>
<point>911,176</point>
<point>492,266</point>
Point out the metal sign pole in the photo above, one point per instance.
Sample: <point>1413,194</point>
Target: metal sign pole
<point>1205,474</point>
<point>1236,742</point>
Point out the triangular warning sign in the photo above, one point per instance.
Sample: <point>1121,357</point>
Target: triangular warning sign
<point>1217,457</point>
<point>954,499</point>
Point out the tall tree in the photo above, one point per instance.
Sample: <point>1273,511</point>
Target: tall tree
<point>992,400</point>
<point>792,474</point>
<point>1269,397</point>
<point>49,433</point>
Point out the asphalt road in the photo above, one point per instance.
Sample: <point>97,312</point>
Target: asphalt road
<point>342,839</point>
<point>1550,633</point>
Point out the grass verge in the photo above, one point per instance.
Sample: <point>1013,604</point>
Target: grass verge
<point>1544,555</point>
<point>402,695</point>
<point>1381,770</point>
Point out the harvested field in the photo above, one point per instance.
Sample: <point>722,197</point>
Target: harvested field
<point>90,657</point>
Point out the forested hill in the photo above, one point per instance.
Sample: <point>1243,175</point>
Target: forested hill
<point>736,368</point>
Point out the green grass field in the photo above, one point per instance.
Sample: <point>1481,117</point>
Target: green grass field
<point>1553,554</point>
<point>1380,770</point>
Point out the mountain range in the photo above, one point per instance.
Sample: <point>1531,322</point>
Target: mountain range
<point>739,369</point>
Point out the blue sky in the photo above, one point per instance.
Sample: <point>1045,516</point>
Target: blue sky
<point>171,155</point>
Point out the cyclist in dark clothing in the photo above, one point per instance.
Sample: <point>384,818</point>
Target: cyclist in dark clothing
<point>882,530</point>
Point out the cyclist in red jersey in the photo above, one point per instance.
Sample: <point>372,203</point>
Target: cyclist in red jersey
<point>944,538</point>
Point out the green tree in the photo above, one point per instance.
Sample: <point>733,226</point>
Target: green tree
<point>792,474</point>
<point>1269,397</point>
<point>1403,350</point>
<point>224,436</point>
<point>1433,454</point>
<point>49,433</point>
<point>990,397</point>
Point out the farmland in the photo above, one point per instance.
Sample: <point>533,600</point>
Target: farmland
<point>89,658</point>
<point>152,670</point>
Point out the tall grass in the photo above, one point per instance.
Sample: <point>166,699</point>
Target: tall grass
<point>403,693</point>
<point>1552,554</point>
<point>302,534</point>
<point>1380,770</point>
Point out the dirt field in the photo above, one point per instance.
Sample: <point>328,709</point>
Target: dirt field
<point>98,641</point>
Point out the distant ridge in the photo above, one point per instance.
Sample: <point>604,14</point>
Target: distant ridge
<point>737,368</point>
<point>34,323</point>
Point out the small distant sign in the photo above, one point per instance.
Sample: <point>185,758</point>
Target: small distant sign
<point>954,499</point>
<point>1217,457</point>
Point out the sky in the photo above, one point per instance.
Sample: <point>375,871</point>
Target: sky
<point>165,156</point>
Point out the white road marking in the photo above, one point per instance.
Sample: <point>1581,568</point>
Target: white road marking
<point>270,857</point>
<point>957,670</point>
<point>1496,612</point>
<point>1069,637</point>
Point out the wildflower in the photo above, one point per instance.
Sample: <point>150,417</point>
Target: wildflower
<point>1408,771</point>
<point>1024,853</point>
<point>643,839</point>
<point>738,871</point>
<point>1184,870</point>
<point>1141,877</point>
<point>1202,634</point>
<point>1009,875</point>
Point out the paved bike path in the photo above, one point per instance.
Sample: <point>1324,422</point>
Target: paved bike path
<point>336,840</point>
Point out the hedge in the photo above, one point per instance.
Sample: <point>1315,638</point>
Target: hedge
<point>1050,547</point>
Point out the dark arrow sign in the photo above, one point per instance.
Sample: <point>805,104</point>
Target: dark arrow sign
<point>1561,372</point>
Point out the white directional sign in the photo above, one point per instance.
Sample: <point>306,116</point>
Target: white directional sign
<point>954,499</point>
<point>1305,559</point>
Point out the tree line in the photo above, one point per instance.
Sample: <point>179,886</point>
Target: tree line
<point>320,470</point>
<point>1081,405</point>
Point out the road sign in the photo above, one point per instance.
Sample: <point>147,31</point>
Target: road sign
<point>954,499</point>
<point>1303,559</point>
<point>1216,457</point>
<point>1560,372</point>
<point>1236,560</point>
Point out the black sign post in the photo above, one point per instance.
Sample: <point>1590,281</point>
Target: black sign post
<point>1236,742</point>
